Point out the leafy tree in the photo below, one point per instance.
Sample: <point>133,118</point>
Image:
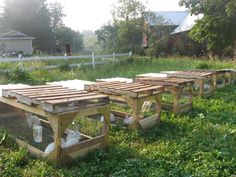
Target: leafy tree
<point>57,15</point>
<point>31,17</point>
<point>90,41</point>
<point>127,15</point>
<point>217,27</point>
<point>66,35</point>
<point>107,37</point>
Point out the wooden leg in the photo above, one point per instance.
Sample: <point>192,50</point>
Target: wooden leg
<point>158,107</point>
<point>136,106</point>
<point>176,95</point>
<point>59,124</point>
<point>214,82</point>
<point>201,87</point>
<point>190,98</point>
<point>106,123</point>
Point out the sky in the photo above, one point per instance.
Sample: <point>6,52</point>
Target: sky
<point>92,14</point>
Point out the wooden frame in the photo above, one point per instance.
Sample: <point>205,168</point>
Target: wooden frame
<point>134,94</point>
<point>174,86</point>
<point>81,104</point>
<point>200,79</point>
<point>230,74</point>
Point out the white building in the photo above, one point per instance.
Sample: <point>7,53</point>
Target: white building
<point>15,41</point>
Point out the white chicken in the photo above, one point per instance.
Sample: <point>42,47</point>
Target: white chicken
<point>72,138</point>
<point>32,120</point>
<point>50,147</point>
<point>128,120</point>
<point>112,118</point>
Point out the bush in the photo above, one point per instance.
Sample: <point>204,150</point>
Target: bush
<point>65,66</point>
<point>18,74</point>
<point>203,66</point>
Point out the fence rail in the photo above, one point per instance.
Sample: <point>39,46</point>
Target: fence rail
<point>91,57</point>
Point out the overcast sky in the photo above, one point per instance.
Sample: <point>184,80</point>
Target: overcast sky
<point>92,14</point>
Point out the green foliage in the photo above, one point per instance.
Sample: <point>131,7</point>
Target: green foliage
<point>56,13</point>
<point>217,27</point>
<point>65,66</point>
<point>125,33</point>
<point>203,66</point>
<point>199,143</point>
<point>19,74</point>
<point>65,35</point>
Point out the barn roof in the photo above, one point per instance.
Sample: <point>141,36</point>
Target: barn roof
<point>187,23</point>
<point>172,17</point>
<point>15,35</point>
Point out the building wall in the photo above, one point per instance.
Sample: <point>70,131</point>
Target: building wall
<point>16,45</point>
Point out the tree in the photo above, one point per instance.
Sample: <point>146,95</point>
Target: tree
<point>107,37</point>
<point>127,15</point>
<point>217,27</point>
<point>57,15</point>
<point>90,41</point>
<point>66,35</point>
<point>31,17</point>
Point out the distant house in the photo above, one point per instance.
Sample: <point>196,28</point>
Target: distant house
<point>174,22</point>
<point>15,41</point>
<point>176,25</point>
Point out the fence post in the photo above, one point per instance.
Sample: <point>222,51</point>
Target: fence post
<point>113,57</point>
<point>130,54</point>
<point>93,59</point>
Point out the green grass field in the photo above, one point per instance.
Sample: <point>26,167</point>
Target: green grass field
<point>199,143</point>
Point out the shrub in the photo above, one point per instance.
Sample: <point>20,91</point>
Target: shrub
<point>203,66</point>
<point>65,66</point>
<point>18,74</point>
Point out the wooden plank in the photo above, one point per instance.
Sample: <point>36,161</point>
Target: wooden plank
<point>38,153</point>
<point>97,96</point>
<point>62,97</point>
<point>137,87</point>
<point>41,90</point>
<point>31,87</point>
<point>85,144</point>
<point>52,94</point>
<point>149,121</point>
<point>151,88</point>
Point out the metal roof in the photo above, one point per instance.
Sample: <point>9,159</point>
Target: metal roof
<point>15,35</point>
<point>172,17</point>
<point>187,23</point>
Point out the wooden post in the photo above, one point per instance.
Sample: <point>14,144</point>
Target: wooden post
<point>158,107</point>
<point>136,106</point>
<point>93,59</point>
<point>176,96</point>
<point>106,123</point>
<point>201,87</point>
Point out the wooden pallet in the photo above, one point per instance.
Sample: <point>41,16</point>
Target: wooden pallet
<point>198,74</point>
<point>165,81</point>
<point>134,94</point>
<point>177,87</point>
<point>200,77</point>
<point>56,99</point>
<point>134,90</point>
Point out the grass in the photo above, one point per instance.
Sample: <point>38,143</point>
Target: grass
<point>199,143</point>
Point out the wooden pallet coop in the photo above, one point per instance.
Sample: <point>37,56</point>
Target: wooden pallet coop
<point>178,88</point>
<point>230,75</point>
<point>205,81</point>
<point>59,106</point>
<point>134,94</point>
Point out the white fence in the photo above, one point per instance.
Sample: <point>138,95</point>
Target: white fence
<point>112,57</point>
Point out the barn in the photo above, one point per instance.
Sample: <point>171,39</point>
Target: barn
<point>15,41</point>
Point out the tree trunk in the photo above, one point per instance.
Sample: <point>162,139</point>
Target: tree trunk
<point>235,50</point>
